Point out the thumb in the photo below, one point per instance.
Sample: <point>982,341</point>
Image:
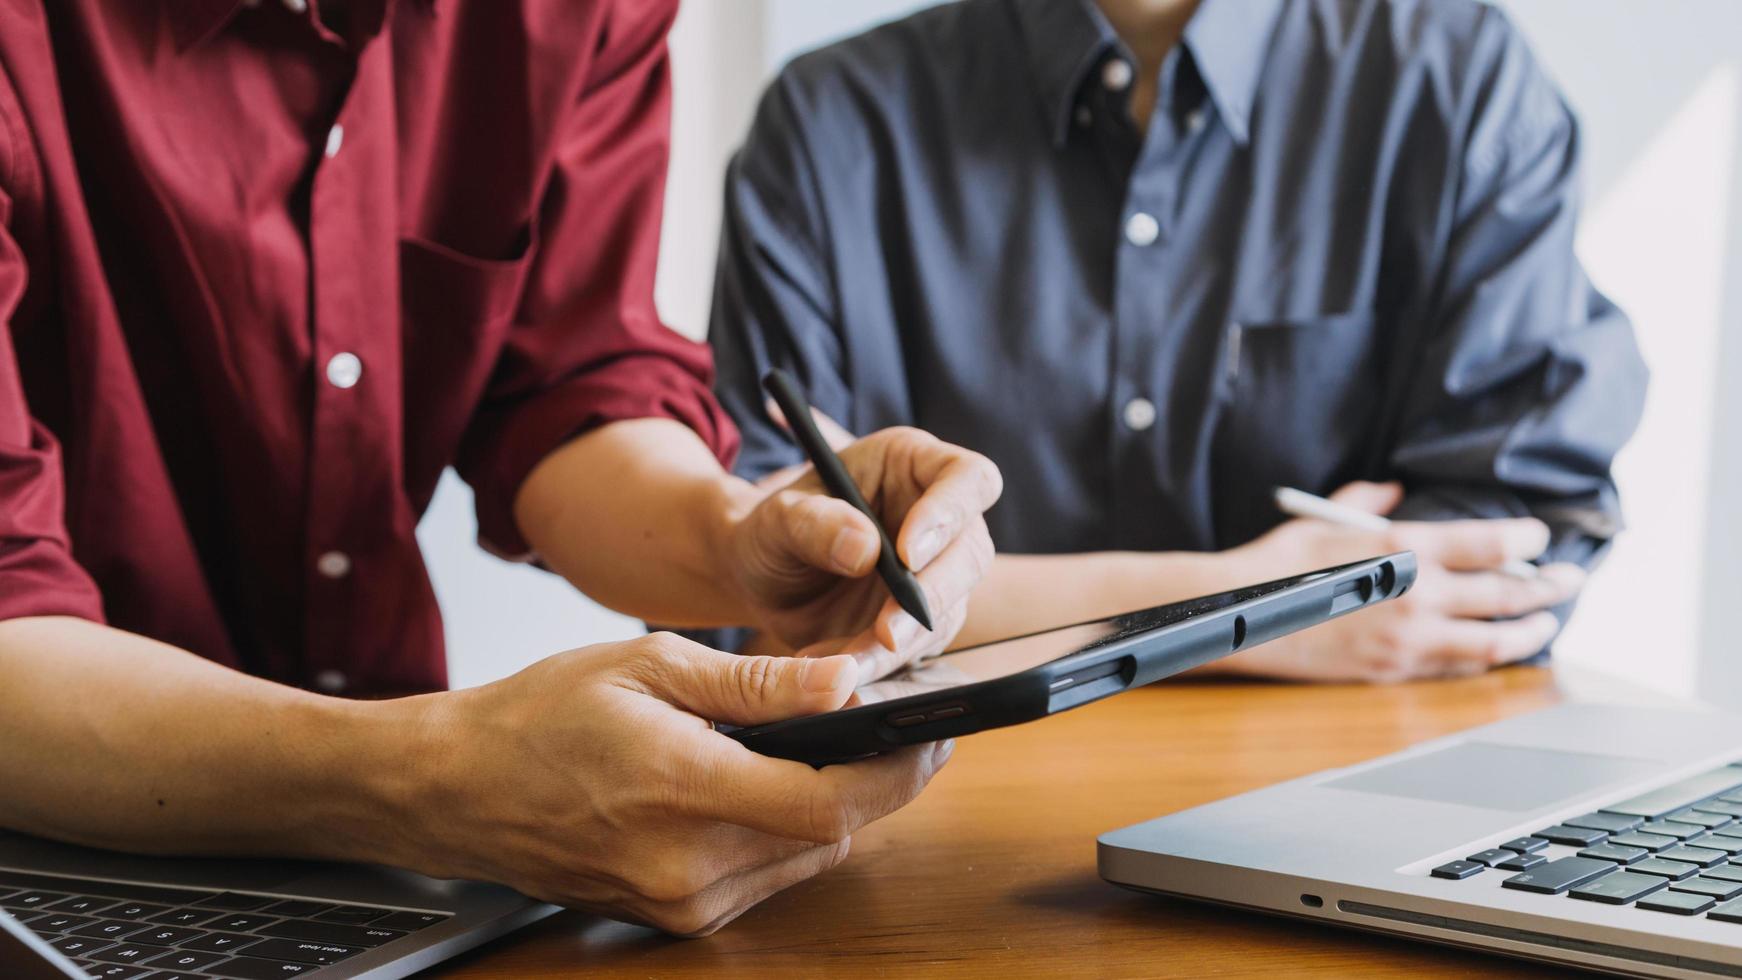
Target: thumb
<point>745,690</point>
<point>807,528</point>
<point>1374,498</point>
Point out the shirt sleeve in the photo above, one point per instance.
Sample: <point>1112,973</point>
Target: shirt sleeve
<point>38,575</point>
<point>774,300</point>
<point>1530,380</point>
<point>587,346</point>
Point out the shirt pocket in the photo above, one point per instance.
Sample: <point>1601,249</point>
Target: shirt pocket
<point>457,311</point>
<point>1300,397</point>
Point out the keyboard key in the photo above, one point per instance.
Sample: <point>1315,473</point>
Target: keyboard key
<point>297,908</point>
<point>1491,857</point>
<point>1673,870</point>
<point>1721,842</point>
<point>1572,836</point>
<point>1720,806</point>
<point>1612,823</point>
<point>413,921</point>
<point>1728,912</point>
<point>236,901</point>
<point>1523,845</point>
<point>34,900</point>
<point>1651,842</point>
<point>1458,870</point>
<point>1616,853</point>
<point>185,917</point>
<point>108,929</point>
<point>116,971</point>
<point>1619,888</point>
<point>221,942</point>
<point>299,951</point>
<point>241,923</point>
<point>243,968</point>
<point>1675,796</point>
<point>335,932</point>
<point>78,945</point>
<point>1710,821</point>
<point>1673,828</point>
<point>165,935</point>
<point>59,922</point>
<point>175,975</point>
<point>1559,875</point>
<point>1728,872</point>
<point>1705,857</point>
<point>352,915</point>
<point>184,959</point>
<point>1679,903</point>
<point>81,904</point>
<point>135,910</point>
<point>127,952</point>
<point>1715,887</point>
<point>1520,862</point>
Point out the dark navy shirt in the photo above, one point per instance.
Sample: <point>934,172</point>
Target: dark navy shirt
<point>1343,249</point>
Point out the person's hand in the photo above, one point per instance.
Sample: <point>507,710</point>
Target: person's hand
<point>808,561</point>
<point>594,780</point>
<point>1463,616</point>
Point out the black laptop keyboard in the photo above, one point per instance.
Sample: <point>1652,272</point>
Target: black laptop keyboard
<point>143,932</point>
<point>1676,850</point>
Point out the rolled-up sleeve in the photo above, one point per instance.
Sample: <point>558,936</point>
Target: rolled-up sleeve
<point>587,346</point>
<point>38,574</point>
<point>1530,380</point>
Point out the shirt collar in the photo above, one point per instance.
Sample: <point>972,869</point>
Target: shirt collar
<point>1228,40</point>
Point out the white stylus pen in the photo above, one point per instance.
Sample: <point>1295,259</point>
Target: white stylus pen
<point>1299,503</point>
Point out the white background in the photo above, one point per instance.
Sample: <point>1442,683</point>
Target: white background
<point>1658,87</point>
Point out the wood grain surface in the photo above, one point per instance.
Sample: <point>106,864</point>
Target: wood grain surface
<point>991,873</point>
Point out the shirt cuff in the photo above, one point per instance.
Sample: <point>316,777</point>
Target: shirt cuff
<point>507,443</point>
<point>38,577</point>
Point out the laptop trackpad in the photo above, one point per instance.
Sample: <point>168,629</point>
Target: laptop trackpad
<point>1498,777</point>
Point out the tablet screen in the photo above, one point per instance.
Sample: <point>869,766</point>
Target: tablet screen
<point>990,661</point>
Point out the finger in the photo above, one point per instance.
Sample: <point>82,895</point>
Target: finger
<point>792,800</point>
<point>824,532</point>
<point>1494,595</point>
<point>736,894</point>
<point>945,583</point>
<point>1473,545</point>
<point>959,485</point>
<point>1464,641</point>
<point>877,659</point>
<point>1374,498</point>
<point>833,433</point>
<point>735,689</point>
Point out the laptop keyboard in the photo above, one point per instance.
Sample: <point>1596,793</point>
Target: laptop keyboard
<point>143,932</point>
<point>1675,850</point>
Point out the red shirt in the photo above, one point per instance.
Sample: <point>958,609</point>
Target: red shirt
<point>263,274</point>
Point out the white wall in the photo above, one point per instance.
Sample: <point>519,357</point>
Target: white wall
<point>1659,88</point>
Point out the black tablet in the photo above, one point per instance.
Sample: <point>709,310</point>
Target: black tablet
<point>1029,677</point>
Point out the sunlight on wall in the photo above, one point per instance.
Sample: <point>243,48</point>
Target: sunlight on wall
<point>1655,243</point>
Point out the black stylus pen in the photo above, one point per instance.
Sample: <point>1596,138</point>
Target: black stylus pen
<point>797,409</point>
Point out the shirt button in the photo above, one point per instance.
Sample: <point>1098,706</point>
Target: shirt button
<point>1142,229</point>
<point>331,681</point>
<point>1116,74</point>
<point>296,6</point>
<point>1195,120</point>
<point>335,139</point>
<point>1139,414</point>
<point>1085,116</point>
<point>334,564</point>
<point>344,370</point>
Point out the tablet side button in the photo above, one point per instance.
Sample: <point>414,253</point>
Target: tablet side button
<point>953,711</point>
<point>908,720</point>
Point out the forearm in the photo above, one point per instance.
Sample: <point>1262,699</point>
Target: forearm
<point>636,515</point>
<point>110,739</point>
<point>1026,593</point>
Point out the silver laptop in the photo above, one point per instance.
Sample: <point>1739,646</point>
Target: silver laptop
<point>75,912</point>
<point>1605,837</point>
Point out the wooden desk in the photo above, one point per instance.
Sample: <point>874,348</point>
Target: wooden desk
<point>992,871</point>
